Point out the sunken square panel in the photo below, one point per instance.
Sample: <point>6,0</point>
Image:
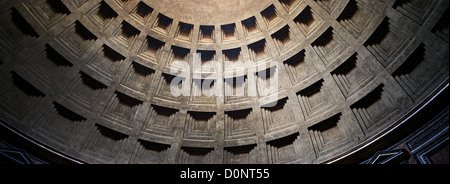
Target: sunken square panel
<point>151,49</point>
<point>184,31</point>
<point>18,97</point>
<point>373,109</point>
<point>238,125</point>
<point>141,12</point>
<point>284,39</point>
<point>228,32</point>
<point>387,42</point>
<point>85,91</point>
<point>267,82</point>
<point>105,12</point>
<point>289,5</point>
<point>22,24</point>
<point>308,21</point>
<point>58,125</point>
<point>284,150</point>
<point>236,90</point>
<point>106,62</point>
<point>250,26</point>
<point>126,34</point>
<point>162,24</point>
<point>329,6</point>
<point>147,152</point>
<point>233,59</point>
<point>46,66</point>
<point>122,3</point>
<point>416,10</point>
<point>178,57</point>
<point>206,34</point>
<point>441,28</point>
<point>101,15</point>
<point>170,88</point>
<point>418,70</point>
<point>351,76</point>
<point>160,121</point>
<point>270,16</point>
<point>204,61</point>
<point>277,116</point>
<point>203,91</point>
<point>247,154</point>
<point>121,110</point>
<point>259,51</point>
<point>103,144</point>
<point>314,100</point>
<point>200,126</point>
<point>299,67</point>
<point>138,77</point>
<point>16,33</point>
<point>48,12</point>
<point>327,135</point>
<point>356,17</point>
<point>56,58</point>
<point>76,39</point>
<point>329,46</point>
<point>192,155</point>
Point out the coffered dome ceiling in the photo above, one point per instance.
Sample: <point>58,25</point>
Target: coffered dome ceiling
<point>92,80</point>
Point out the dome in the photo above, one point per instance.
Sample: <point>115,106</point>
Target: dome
<point>176,81</point>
